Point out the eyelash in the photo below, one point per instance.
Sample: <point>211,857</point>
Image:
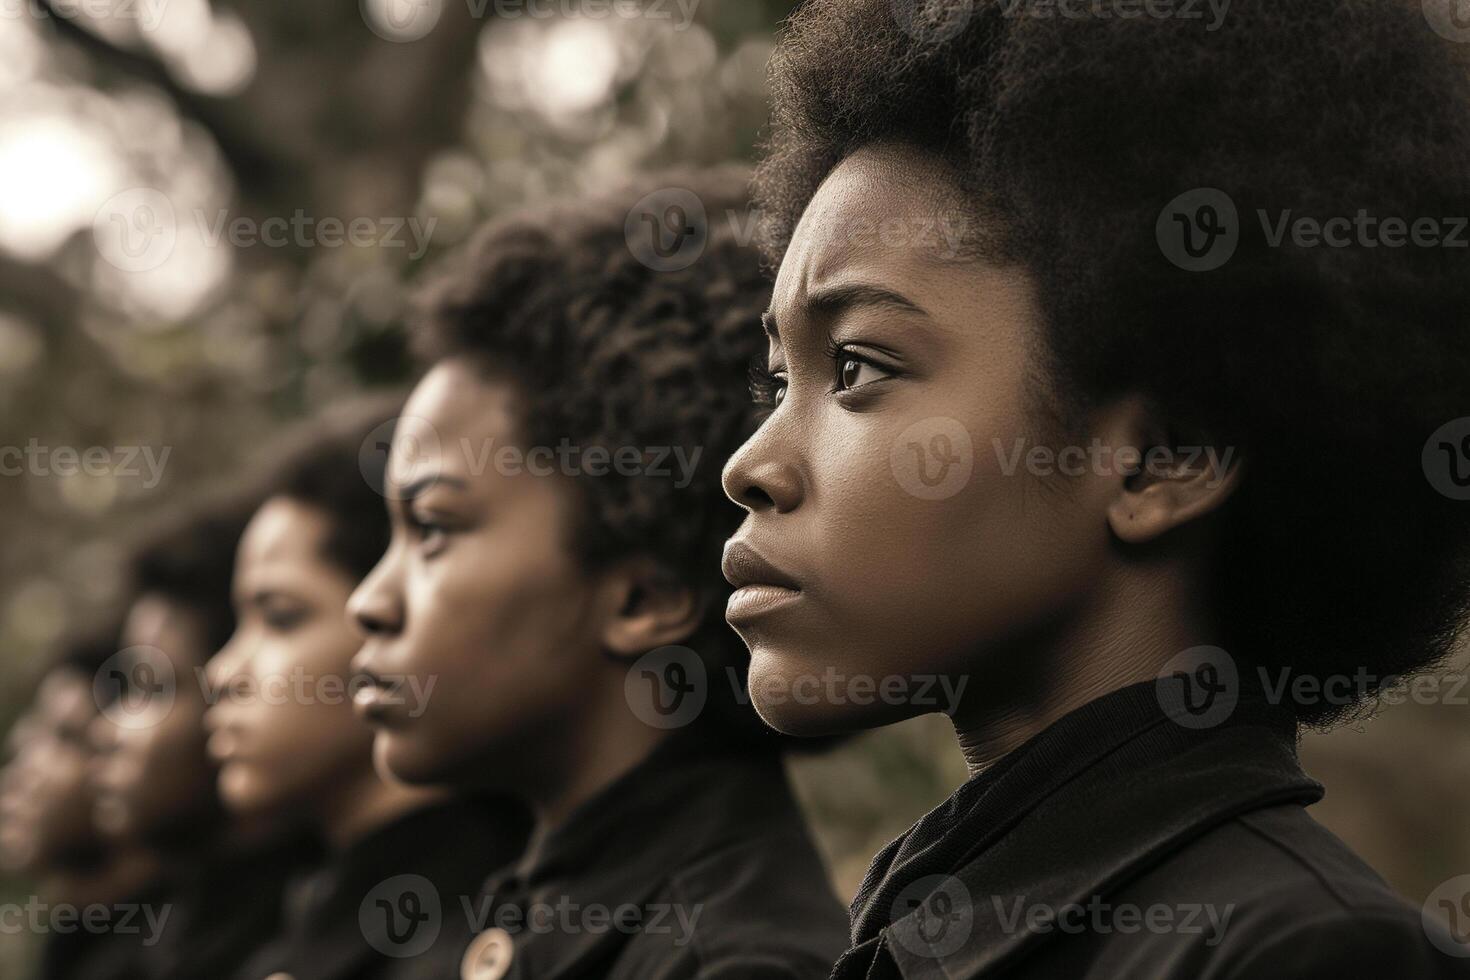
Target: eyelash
<point>284,621</point>
<point>426,530</point>
<point>766,385</point>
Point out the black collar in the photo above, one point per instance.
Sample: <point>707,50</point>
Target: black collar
<point>445,848</point>
<point>1088,804</point>
<point>688,800</point>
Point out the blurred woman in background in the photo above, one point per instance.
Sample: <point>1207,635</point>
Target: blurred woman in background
<point>219,878</point>
<point>48,828</point>
<point>288,742</point>
<point>557,519</point>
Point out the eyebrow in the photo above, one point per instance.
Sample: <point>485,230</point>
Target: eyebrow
<point>836,300</point>
<point>407,494</point>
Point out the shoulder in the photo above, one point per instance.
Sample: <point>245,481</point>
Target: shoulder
<point>759,907</point>
<point>1278,895</point>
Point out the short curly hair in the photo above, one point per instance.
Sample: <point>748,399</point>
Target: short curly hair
<point>335,462</point>
<point>611,345</point>
<point>188,558</point>
<point>1327,367</point>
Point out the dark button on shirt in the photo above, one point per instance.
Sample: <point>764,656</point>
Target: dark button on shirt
<point>695,864</point>
<point>379,910</point>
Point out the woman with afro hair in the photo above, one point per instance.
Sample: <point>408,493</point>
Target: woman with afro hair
<point>1117,376</point>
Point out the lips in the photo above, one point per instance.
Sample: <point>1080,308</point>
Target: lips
<point>373,697</point>
<point>761,586</point>
<point>744,566</point>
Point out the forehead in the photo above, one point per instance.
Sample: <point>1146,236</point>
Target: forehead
<point>453,416</point>
<point>282,530</point>
<point>884,208</point>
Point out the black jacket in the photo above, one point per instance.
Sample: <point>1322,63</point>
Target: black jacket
<point>1122,843</point>
<point>378,911</point>
<point>695,864</point>
<point>210,915</point>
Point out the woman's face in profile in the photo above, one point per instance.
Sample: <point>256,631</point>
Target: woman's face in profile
<point>282,726</point>
<point>46,798</point>
<point>152,776</point>
<point>481,623</point>
<point>891,514</point>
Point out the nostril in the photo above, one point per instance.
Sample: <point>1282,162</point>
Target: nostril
<point>756,498</point>
<point>372,622</point>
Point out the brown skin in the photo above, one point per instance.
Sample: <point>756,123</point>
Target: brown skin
<point>480,592</point>
<point>46,799</point>
<point>1034,588</point>
<point>154,781</point>
<point>47,802</point>
<point>283,727</point>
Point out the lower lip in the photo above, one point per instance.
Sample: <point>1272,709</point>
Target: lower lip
<point>223,746</point>
<point>749,601</point>
<point>372,703</point>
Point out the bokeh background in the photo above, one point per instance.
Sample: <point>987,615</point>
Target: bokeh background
<point>450,110</point>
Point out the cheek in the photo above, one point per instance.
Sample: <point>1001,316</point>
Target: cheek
<point>929,544</point>
<point>300,724</point>
<point>489,606</point>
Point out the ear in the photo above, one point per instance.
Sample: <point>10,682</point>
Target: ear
<point>652,609</point>
<point>1163,481</point>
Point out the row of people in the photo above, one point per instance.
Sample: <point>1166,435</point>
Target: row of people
<point>988,230</point>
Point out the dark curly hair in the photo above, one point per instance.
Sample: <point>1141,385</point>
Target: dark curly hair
<point>1328,368</point>
<point>335,462</point>
<point>613,344</point>
<point>188,557</point>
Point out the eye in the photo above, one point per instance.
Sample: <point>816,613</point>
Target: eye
<point>854,373</point>
<point>854,370</point>
<point>283,619</point>
<point>430,533</point>
<point>767,387</point>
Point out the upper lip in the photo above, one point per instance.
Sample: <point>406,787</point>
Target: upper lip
<point>743,565</point>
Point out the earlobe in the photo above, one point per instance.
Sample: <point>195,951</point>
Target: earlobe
<point>648,610</point>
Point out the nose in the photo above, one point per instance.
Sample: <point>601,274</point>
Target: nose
<point>376,606</point>
<point>223,671</point>
<point>762,475</point>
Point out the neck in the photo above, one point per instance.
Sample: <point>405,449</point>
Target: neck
<point>608,743</point>
<point>1122,635</point>
<point>365,803</point>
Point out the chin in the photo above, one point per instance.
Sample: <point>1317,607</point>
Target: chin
<point>807,697</point>
<point>399,757</point>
